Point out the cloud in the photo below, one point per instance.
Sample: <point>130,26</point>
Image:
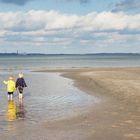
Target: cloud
<point>55,21</point>
<point>84,1</point>
<point>81,1</point>
<point>23,2</point>
<point>17,2</point>
<point>127,5</point>
<point>52,28</point>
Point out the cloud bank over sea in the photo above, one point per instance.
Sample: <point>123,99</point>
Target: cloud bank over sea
<point>53,27</point>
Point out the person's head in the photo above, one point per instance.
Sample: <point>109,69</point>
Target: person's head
<point>11,77</point>
<point>20,75</point>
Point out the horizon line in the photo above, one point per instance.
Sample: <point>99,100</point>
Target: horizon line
<point>10,53</point>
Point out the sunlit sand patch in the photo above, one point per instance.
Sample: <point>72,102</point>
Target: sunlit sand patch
<point>129,121</point>
<point>114,113</point>
<point>93,131</point>
<point>115,126</point>
<point>121,124</point>
<point>138,128</point>
<point>132,136</point>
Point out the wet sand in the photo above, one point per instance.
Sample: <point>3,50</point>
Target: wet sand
<point>117,117</point>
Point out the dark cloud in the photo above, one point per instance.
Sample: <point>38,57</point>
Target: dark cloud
<point>22,2</point>
<point>80,1</point>
<point>127,5</point>
<point>17,2</point>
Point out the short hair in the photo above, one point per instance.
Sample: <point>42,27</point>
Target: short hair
<point>20,75</point>
<point>11,77</point>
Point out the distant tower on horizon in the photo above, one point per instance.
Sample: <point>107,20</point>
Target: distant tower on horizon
<point>17,52</point>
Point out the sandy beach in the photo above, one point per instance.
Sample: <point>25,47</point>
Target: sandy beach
<point>117,117</point>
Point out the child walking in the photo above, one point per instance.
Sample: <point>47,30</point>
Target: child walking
<point>10,87</point>
<point>20,84</point>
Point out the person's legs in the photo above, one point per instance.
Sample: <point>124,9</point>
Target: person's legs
<point>10,95</point>
<point>20,89</point>
<point>20,97</point>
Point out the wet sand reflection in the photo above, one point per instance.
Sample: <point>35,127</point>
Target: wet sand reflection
<point>20,113</point>
<point>11,111</point>
<point>15,112</point>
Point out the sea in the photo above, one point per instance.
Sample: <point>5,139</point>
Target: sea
<point>30,62</point>
<point>49,97</point>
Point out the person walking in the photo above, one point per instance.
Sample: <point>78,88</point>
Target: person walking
<point>10,87</point>
<point>20,84</point>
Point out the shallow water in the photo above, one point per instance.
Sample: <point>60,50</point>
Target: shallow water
<point>48,97</point>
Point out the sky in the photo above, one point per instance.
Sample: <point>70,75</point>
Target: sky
<point>70,26</point>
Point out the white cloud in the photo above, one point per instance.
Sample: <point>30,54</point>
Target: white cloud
<point>55,28</point>
<point>52,20</point>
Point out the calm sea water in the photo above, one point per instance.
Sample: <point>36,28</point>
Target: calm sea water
<point>68,61</point>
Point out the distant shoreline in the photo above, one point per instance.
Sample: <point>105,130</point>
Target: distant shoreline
<point>61,54</point>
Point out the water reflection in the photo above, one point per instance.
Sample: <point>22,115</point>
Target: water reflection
<point>15,112</point>
<point>11,111</point>
<point>63,101</point>
<point>20,113</point>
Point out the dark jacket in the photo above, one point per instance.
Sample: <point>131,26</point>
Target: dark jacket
<point>20,83</point>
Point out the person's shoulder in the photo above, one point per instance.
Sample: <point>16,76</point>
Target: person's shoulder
<point>22,78</point>
<point>19,79</point>
<point>11,81</point>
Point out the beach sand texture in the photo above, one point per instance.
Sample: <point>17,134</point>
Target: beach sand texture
<point>118,114</point>
<point>120,119</point>
<point>115,117</point>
